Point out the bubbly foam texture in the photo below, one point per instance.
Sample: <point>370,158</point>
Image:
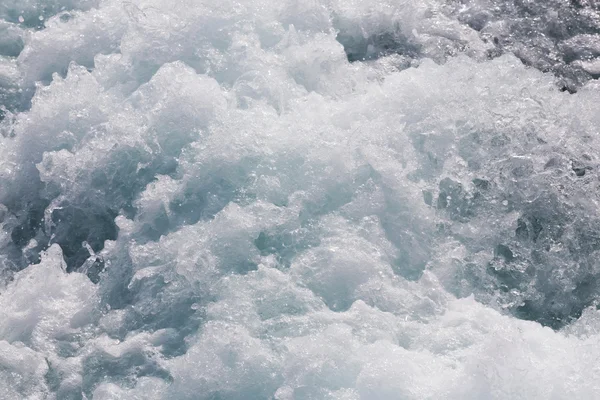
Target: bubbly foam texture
<point>213,200</point>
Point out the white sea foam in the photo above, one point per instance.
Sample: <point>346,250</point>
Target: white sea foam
<point>208,200</point>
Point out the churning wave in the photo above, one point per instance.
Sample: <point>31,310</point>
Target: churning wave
<point>322,199</point>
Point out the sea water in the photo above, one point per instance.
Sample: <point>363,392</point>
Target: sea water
<point>299,199</point>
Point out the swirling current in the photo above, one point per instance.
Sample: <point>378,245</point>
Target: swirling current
<point>299,199</point>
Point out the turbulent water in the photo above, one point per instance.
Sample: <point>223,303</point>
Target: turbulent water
<point>299,199</point>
